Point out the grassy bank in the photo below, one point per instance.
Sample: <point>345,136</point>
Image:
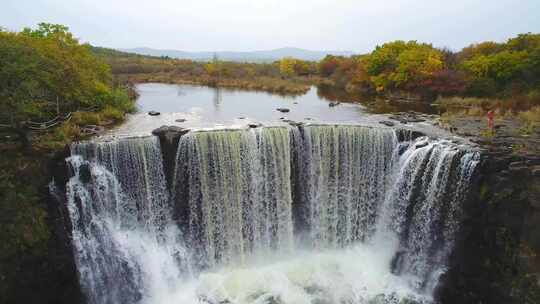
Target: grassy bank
<point>84,124</point>
<point>287,77</point>
<point>524,109</point>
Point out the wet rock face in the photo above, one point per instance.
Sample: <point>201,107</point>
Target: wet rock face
<point>408,135</point>
<point>169,131</point>
<point>85,174</point>
<point>59,271</point>
<point>497,255</point>
<point>168,139</point>
<point>498,260</point>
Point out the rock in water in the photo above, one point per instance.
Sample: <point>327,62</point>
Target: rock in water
<point>387,123</point>
<point>154,113</point>
<point>161,130</point>
<point>283,110</point>
<point>84,173</point>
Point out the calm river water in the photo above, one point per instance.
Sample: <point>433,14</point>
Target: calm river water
<point>194,106</point>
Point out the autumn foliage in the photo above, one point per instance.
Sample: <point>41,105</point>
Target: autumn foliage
<point>485,69</point>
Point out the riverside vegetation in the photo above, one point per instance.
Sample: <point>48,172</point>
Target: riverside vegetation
<point>51,88</point>
<point>482,76</point>
<point>268,77</point>
<point>50,81</point>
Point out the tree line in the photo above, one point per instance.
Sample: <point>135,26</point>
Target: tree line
<point>486,69</point>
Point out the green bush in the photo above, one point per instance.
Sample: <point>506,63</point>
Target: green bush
<point>67,132</point>
<point>530,119</point>
<point>119,99</point>
<point>114,114</point>
<point>86,118</point>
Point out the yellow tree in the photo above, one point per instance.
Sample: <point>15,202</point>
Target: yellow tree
<point>287,66</point>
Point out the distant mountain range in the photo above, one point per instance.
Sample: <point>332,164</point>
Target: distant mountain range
<point>252,56</point>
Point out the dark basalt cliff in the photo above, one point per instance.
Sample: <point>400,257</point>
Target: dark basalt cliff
<point>496,259</point>
<point>66,289</point>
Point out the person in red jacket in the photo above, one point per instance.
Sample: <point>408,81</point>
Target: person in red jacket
<point>490,115</point>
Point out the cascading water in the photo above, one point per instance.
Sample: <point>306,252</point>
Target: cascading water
<point>238,198</point>
<point>423,207</point>
<point>126,247</point>
<point>342,179</point>
<point>315,214</point>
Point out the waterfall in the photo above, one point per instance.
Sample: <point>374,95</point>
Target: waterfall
<point>310,214</point>
<point>423,206</point>
<point>125,245</point>
<point>343,172</point>
<point>239,197</point>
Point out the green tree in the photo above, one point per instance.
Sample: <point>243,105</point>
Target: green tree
<point>45,72</point>
<point>302,68</point>
<point>402,65</point>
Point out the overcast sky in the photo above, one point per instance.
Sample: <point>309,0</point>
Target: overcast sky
<point>242,25</point>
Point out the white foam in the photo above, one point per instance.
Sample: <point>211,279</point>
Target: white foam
<point>354,275</point>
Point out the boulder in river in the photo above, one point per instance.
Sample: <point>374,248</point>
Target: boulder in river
<point>181,120</point>
<point>160,131</point>
<point>164,131</point>
<point>295,123</point>
<point>283,110</point>
<point>153,113</point>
